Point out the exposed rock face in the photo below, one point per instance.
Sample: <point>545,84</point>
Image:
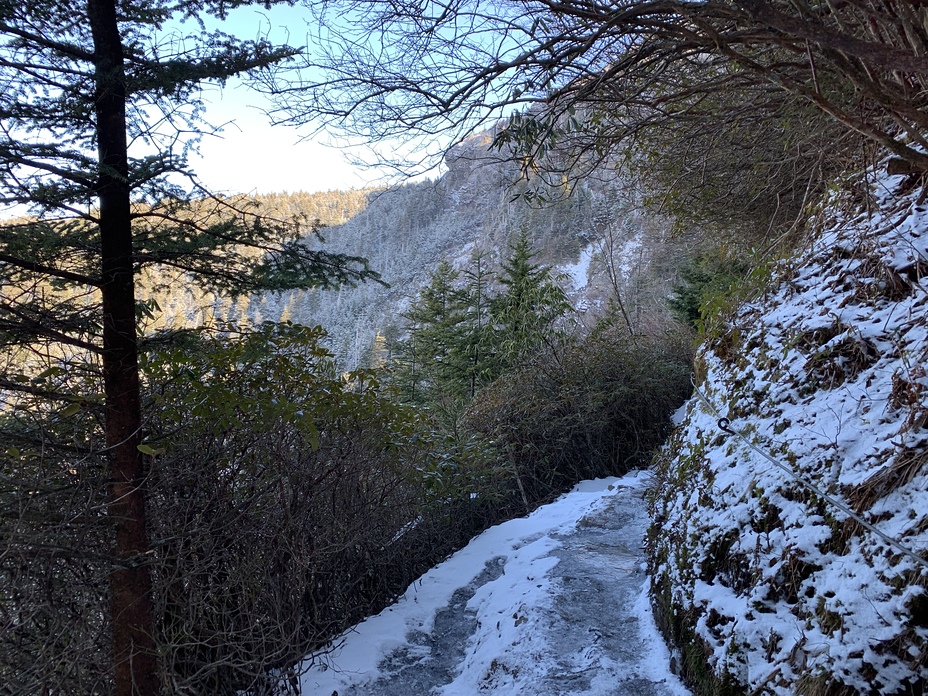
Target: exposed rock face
<point>765,585</point>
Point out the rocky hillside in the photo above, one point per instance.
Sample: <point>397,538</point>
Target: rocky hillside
<point>790,533</point>
<point>593,233</point>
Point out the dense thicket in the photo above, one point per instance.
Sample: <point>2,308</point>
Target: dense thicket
<point>286,502</point>
<point>592,406</point>
<point>293,502</point>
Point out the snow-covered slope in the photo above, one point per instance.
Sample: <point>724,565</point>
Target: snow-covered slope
<point>824,379</point>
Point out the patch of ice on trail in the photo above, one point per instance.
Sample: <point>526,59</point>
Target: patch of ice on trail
<point>600,485</point>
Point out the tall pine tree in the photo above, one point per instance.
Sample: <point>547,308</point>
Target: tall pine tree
<point>481,365</point>
<point>432,361</point>
<point>95,97</point>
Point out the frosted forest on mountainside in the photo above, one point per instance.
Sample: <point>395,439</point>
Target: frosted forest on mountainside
<point>594,232</point>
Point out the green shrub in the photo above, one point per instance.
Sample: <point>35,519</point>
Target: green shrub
<point>289,502</point>
<point>704,278</point>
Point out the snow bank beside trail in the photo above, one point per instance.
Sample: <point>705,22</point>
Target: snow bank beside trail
<point>825,374</point>
<point>524,545</point>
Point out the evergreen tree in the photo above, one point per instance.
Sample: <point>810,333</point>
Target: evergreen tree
<point>433,361</point>
<point>479,351</point>
<point>463,339</point>
<point>526,310</point>
<point>462,336</point>
<point>90,93</point>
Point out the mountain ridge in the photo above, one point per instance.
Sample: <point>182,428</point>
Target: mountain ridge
<point>481,203</point>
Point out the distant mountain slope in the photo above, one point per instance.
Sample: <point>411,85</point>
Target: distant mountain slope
<point>583,230</point>
<point>758,575</point>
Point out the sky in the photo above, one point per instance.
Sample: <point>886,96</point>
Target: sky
<point>250,155</point>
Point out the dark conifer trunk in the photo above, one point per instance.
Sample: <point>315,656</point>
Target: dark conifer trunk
<point>131,612</point>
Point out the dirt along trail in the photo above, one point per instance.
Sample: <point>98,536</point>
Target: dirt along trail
<point>553,603</point>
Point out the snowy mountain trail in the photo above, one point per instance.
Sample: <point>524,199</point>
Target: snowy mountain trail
<point>552,603</point>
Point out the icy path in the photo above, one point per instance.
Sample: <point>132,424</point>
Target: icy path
<point>553,603</point>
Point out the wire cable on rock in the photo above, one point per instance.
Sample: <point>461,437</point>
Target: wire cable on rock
<point>724,425</point>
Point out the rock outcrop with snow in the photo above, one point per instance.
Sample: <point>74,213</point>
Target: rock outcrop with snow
<point>764,584</point>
